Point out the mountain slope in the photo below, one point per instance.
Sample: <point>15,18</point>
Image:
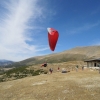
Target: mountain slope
<point>78,85</point>
<point>75,54</point>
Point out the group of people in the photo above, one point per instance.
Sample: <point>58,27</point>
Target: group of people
<point>51,70</point>
<point>58,69</point>
<point>77,67</point>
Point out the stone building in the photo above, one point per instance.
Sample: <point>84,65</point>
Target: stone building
<point>93,62</point>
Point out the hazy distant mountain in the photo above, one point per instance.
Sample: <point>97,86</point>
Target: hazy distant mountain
<point>75,54</point>
<point>4,62</point>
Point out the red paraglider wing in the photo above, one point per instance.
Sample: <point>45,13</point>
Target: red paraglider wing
<point>52,38</point>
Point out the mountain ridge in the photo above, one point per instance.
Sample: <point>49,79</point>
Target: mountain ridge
<point>4,62</point>
<point>74,54</point>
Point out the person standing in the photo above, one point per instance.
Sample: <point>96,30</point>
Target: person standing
<point>51,70</point>
<point>58,69</point>
<point>82,67</point>
<point>76,68</point>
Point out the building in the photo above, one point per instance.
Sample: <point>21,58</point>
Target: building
<point>93,62</point>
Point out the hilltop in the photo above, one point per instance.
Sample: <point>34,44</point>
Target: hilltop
<point>81,85</point>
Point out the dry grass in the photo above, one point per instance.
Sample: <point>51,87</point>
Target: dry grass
<point>81,85</point>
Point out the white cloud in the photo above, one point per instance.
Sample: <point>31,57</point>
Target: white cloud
<point>14,26</point>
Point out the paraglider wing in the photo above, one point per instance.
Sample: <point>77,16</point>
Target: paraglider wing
<point>52,38</point>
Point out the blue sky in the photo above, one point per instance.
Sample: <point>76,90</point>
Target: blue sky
<point>24,23</point>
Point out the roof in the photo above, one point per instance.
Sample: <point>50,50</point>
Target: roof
<point>97,59</point>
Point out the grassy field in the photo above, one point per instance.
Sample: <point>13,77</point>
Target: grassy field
<point>81,85</point>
